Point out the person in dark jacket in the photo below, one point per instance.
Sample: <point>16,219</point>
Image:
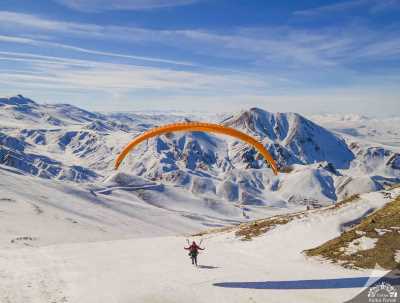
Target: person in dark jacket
<point>193,252</point>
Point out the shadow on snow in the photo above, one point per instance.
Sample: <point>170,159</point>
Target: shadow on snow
<point>310,284</point>
<point>207,267</point>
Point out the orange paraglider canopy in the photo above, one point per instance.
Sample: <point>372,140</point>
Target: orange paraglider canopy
<point>197,126</point>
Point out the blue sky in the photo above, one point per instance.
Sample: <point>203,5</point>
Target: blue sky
<point>307,56</point>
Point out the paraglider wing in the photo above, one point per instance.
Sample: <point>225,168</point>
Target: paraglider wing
<point>197,126</point>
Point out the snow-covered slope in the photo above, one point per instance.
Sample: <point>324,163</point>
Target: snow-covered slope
<point>270,268</point>
<point>124,206</point>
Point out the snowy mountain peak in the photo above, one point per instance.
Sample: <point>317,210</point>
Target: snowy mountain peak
<point>292,138</point>
<point>255,121</point>
<point>17,101</point>
<point>261,123</point>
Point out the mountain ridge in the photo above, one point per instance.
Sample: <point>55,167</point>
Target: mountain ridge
<point>317,164</point>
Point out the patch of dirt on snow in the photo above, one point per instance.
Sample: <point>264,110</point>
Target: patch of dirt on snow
<point>382,253</point>
<point>254,229</point>
<point>394,186</point>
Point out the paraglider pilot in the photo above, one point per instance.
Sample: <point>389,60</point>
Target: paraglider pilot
<point>193,252</point>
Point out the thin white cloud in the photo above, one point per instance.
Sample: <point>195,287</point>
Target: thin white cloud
<point>387,49</point>
<point>332,8</point>
<point>110,54</point>
<point>34,58</point>
<point>385,5</point>
<point>13,39</point>
<point>373,6</point>
<point>12,21</point>
<point>102,5</point>
<point>41,43</point>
